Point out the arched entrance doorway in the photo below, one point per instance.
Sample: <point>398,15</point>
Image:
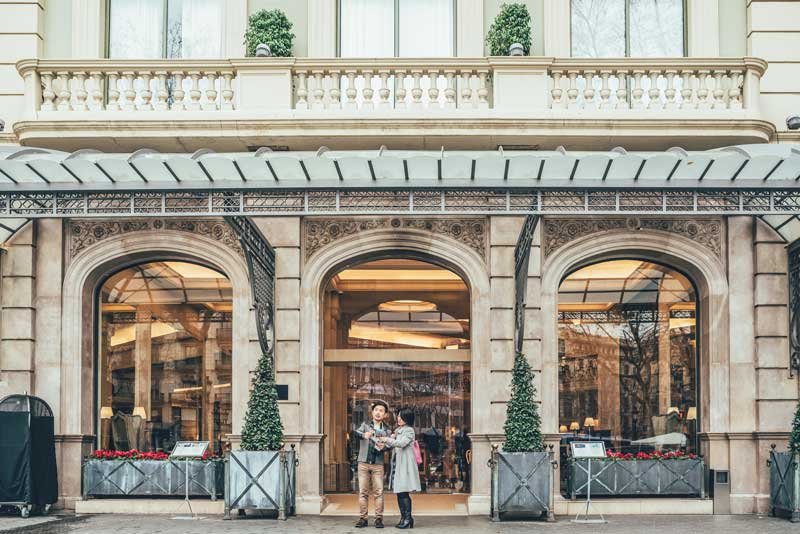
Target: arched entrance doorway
<point>398,329</point>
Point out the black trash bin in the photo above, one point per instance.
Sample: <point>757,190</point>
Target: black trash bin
<point>28,476</point>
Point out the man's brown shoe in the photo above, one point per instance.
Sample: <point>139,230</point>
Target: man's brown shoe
<point>362,523</point>
<point>378,523</point>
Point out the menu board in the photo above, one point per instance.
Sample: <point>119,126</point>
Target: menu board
<point>588,449</point>
<point>189,449</point>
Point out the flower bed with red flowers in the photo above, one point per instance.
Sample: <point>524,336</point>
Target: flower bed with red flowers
<point>133,454</point>
<point>671,455</point>
<point>140,473</point>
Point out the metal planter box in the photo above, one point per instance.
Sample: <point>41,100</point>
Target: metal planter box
<point>684,477</point>
<point>261,480</point>
<point>522,485</point>
<point>112,478</point>
<point>784,485</point>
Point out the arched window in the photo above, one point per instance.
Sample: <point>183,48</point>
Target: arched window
<point>165,356</point>
<point>628,356</point>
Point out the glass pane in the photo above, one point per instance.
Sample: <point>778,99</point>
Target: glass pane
<point>656,28</point>
<point>426,28</point>
<point>165,366</point>
<point>396,304</point>
<point>136,29</point>
<point>194,29</point>
<point>632,365</point>
<point>439,394</point>
<point>366,28</point>
<point>598,28</point>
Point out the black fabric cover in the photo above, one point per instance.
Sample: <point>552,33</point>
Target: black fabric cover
<point>27,452</point>
<point>43,462</point>
<point>15,468</point>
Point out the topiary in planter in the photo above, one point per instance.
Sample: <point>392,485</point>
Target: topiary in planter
<point>794,437</point>
<point>523,426</point>
<point>511,25</point>
<point>263,430</point>
<point>272,28</point>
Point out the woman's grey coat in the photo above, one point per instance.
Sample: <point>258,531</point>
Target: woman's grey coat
<point>404,475</point>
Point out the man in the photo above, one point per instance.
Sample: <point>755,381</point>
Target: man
<point>370,463</point>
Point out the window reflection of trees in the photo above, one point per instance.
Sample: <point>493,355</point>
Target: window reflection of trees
<point>636,330</point>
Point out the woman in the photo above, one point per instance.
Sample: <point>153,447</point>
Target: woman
<point>404,475</point>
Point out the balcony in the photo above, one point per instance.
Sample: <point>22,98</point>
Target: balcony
<point>459,103</point>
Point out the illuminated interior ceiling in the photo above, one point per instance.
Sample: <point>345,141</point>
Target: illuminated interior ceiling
<point>167,283</point>
<point>601,286</point>
<point>404,303</point>
<point>397,274</point>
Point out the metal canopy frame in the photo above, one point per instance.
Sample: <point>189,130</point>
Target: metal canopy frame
<point>260,258</point>
<point>522,254</point>
<point>512,201</point>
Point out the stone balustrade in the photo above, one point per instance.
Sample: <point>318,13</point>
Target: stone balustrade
<point>382,84</point>
<point>392,85</point>
<point>653,84</point>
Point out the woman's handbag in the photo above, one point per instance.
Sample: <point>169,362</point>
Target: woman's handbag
<point>417,453</point>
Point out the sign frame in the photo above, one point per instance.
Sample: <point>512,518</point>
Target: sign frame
<point>184,450</point>
<point>588,449</point>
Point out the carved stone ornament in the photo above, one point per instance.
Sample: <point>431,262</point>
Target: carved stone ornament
<point>85,233</point>
<point>318,233</point>
<point>557,232</point>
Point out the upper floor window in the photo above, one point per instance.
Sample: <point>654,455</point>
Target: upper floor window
<point>165,28</point>
<point>628,28</point>
<point>396,28</point>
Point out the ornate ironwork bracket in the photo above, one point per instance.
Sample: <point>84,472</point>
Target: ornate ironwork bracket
<point>522,255</point>
<point>794,307</point>
<point>260,258</point>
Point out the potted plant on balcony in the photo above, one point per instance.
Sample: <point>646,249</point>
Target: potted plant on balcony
<point>261,475</point>
<point>521,472</point>
<point>510,33</point>
<point>784,476</point>
<point>271,28</point>
<point>111,473</point>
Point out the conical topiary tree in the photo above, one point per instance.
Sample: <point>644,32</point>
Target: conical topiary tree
<point>263,430</point>
<point>523,426</point>
<point>794,438</point>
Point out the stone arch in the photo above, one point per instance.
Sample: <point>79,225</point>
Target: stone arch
<point>696,261</point>
<point>81,281</point>
<point>441,249</point>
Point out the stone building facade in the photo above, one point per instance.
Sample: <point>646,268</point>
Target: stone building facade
<point>124,286</point>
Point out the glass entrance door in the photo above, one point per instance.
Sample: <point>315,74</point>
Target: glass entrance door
<point>439,395</point>
<point>397,330</point>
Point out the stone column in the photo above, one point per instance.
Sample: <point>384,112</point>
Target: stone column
<point>776,392</point>
<point>664,359</point>
<point>18,313</point>
<point>743,315</point>
<point>142,355</point>
<point>300,412</point>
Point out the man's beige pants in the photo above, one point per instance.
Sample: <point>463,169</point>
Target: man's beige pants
<point>370,481</point>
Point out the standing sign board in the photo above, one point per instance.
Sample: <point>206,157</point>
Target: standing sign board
<point>588,450</point>
<point>186,450</point>
<point>189,449</point>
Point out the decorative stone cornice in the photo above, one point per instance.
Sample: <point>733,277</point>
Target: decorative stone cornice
<point>85,233</point>
<point>318,233</point>
<point>560,231</point>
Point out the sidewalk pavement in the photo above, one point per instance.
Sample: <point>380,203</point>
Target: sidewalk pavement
<point>122,524</point>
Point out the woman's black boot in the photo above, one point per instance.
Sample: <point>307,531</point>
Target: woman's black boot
<point>405,514</point>
<point>401,504</point>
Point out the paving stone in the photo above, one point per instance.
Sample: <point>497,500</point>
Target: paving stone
<point>664,524</point>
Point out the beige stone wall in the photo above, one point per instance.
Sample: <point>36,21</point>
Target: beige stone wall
<point>773,33</point>
<point>21,31</point>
